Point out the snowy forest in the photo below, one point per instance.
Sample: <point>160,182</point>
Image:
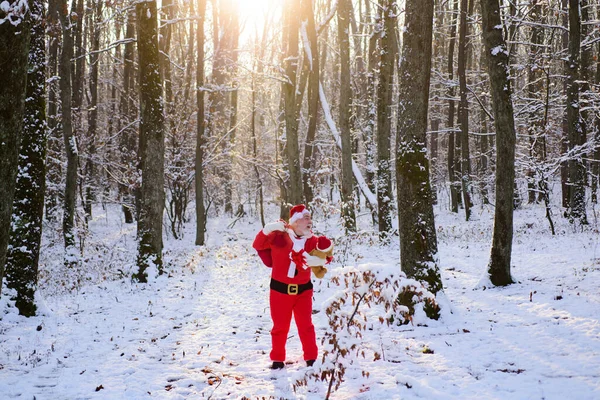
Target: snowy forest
<point>450,149</point>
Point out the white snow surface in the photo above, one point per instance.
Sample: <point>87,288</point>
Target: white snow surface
<point>202,331</point>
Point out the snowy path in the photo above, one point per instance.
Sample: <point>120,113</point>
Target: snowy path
<point>204,332</point>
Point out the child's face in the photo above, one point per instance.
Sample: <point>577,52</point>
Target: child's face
<point>302,226</point>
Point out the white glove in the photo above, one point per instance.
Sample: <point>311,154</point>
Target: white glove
<point>274,226</point>
<point>314,261</point>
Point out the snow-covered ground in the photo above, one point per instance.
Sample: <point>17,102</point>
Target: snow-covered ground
<point>203,331</point>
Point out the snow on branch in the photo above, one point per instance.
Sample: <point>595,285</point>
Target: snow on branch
<point>338,141</point>
<point>108,48</point>
<point>328,18</point>
<point>306,43</point>
<point>14,12</point>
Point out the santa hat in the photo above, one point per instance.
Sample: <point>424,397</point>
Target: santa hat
<point>298,212</point>
<point>324,244</point>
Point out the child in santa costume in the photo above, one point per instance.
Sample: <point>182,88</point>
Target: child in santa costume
<point>292,251</point>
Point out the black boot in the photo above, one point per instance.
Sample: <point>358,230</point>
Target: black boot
<point>277,365</point>
<point>310,363</point>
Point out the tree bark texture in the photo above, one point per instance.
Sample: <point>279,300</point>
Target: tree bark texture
<point>70,141</point>
<point>76,17</point>
<point>435,116</point>
<point>127,139</point>
<point>384,116</point>
<point>200,139</point>
<point>596,154</point>
<point>90,168</point>
<point>348,213</point>
<point>313,102</point>
<point>291,30</point>
<point>259,185</point>
<point>576,134</point>
<point>14,48</point>
<point>28,207</point>
<point>463,108</point>
<point>167,11</point>
<point>234,27</point>
<point>371,104</point>
<point>454,184</point>
<point>564,166</point>
<point>372,110</point>
<point>53,167</point>
<point>218,123</point>
<point>534,90</point>
<point>418,240</point>
<point>152,147</point>
<point>497,59</point>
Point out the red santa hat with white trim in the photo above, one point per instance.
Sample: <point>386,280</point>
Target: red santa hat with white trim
<point>324,244</point>
<point>298,212</point>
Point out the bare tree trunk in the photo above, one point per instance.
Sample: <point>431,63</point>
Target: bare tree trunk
<point>585,74</point>
<point>280,157</point>
<point>233,108</point>
<point>484,150</point>
<point>418,241</point>
<point>313,102</point>
<point>217,122</point>
<point>53,168</point>
<point>384,115</point>
<point>114,123</point>
<point>463,108</point>
<point>190,58</point>
<point>358,85</point>
<point>77,17</point>
<point>497,58</point>
<point>69,138</point>
<point>152,146</point>
<point>127,143</point>
<point>576,134</point>
<point>259,185</point>
<point>291,30</point>
<point>200,139</point>
<point>256,92</point>
<point>348,214</point>
<point>596,155</point>
<point>371,104</point>
<point>564,166</point>
<point>14,48</point>
<point>484,140</point>
<point>28,207</point>
<point>454,198</point>
<point>435,117</point>
<point>90,170</point>
<point>585,78</point>
<point>167,11</point>
<point>534,89</point>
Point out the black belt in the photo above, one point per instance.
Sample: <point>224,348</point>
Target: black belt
<point>292,288</point>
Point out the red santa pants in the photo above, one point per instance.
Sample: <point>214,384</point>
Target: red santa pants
<point>282,307</point>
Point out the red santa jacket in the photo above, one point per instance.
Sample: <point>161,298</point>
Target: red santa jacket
<point>275,252</point>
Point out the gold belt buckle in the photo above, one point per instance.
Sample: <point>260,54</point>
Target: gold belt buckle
<point>292,289</point>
